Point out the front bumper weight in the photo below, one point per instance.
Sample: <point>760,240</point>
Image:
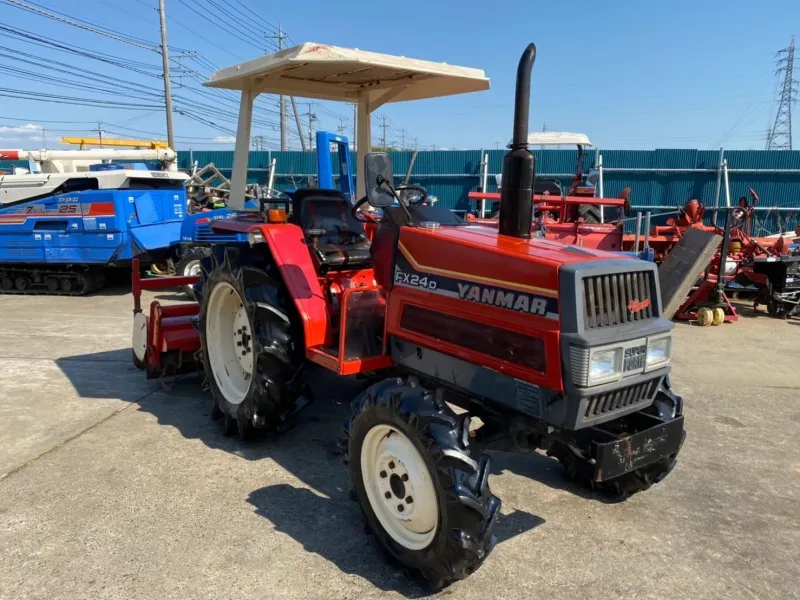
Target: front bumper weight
<point>637,450</point>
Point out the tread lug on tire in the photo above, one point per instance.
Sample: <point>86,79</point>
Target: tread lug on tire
<point>229,425</point>
<point>215,413</point>
<point>251,346</point>
<point>396,422</point>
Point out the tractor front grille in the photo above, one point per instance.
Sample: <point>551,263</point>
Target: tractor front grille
<point>618,298</point>
<point>610,402</point>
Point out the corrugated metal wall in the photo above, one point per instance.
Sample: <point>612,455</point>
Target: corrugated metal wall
<point>451,174</point>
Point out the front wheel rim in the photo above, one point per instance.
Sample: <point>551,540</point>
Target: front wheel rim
<point>399,487</point>
<point>229,342</point>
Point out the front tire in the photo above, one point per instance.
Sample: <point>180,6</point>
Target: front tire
<point>249,346</point>
<point>423,493</point>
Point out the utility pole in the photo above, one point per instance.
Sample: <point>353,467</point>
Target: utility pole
<point>100,132</point>
<point>385,126</point>
<point>340,129</point>
<point>282,100</point>
<point>780,136</point>
<point>402,139</point>
<point>544,129</point>
<point>259,143</point>
<point>299,125</point>
<point>165,61</point>
<point>311,118</point>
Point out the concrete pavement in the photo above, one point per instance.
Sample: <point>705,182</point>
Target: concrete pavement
<point>113,488</point>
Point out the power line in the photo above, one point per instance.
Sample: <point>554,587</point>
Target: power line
<point>77,101</point>
<point>259,17</point>
<point>233,34</point>
<point>116,61</point>
<point>75,23</point>
<point>46,121</point>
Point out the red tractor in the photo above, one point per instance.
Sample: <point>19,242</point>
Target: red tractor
<point>552,347</point>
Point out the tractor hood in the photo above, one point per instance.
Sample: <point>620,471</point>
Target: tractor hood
<point>479,255</point>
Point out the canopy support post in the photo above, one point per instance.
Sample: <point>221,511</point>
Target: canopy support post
<point>242,151</point>
<point>364,141</point>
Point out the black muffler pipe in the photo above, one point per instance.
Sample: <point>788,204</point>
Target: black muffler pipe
<point>519,165</point>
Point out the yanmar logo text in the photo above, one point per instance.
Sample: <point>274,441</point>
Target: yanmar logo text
<point>504,299</point>
<point>635,305</point>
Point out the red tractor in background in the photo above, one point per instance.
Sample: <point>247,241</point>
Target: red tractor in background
<point>552,347</point>
<point>574,216</point>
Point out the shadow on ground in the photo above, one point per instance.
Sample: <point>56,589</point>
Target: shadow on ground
<point>323,519</point>
<point>187,408</point>
<point>333,528</point>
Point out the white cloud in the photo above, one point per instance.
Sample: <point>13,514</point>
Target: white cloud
<point>224,139</point>
<point>24,131</point>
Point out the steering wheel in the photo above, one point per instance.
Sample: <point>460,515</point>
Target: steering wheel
<point>367,217</point>
<point>423,193</point>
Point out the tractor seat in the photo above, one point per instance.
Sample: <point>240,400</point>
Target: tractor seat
<point>344,243</point>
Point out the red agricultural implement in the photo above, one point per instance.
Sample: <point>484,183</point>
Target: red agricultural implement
<point>566,219</point>
<point>165,339</point>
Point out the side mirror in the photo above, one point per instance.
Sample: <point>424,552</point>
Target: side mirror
<point>378,171</point>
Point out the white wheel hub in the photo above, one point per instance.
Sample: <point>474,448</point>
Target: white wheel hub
<point>230,343</point>
<point>399,487</point>
<point>139,338</point>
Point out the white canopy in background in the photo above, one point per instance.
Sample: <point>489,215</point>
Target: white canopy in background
<point>557,138</point>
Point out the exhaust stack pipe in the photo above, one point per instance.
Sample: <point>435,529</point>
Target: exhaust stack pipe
<point>519,165</point>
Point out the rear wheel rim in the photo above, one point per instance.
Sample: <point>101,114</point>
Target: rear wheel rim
<point>399,487</point>
<point>229,342</point>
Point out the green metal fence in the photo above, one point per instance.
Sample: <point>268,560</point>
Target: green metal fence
<point>660,180</point>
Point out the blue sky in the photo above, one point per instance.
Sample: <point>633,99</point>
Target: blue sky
<point>629,74</point>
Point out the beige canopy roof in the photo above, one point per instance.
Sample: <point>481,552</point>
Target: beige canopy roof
<point>332,73</point>
<point>311,70</point>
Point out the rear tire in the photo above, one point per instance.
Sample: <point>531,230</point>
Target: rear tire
<point>249,345</point>
<point>404,443</point>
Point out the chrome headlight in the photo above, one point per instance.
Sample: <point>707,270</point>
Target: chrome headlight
<point>604,365</point>
<point>658,351</point>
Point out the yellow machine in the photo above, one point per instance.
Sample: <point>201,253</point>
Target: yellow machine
<point>83,142</point>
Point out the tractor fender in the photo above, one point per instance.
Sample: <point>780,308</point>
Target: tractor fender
<point>289,251</point>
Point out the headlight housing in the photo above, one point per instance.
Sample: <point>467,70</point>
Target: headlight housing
<point>612,362</point>
<point>604,365</point>
<point>658,352</point>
